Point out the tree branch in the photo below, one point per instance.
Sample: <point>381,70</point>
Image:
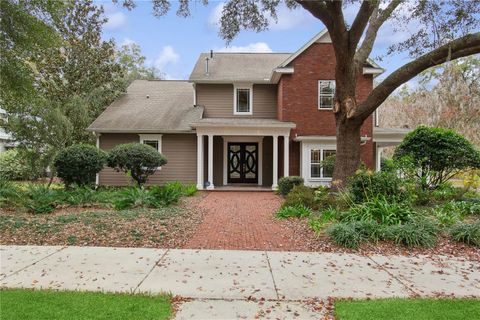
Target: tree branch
<point>376,22</point>
<point>361,20</point>
<point>319,10</point>
<point>458,48</point>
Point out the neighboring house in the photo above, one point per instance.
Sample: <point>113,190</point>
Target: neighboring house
<point>6,140</point>
<point>241,118</point>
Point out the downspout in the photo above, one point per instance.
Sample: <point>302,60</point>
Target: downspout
<point>97,176</point>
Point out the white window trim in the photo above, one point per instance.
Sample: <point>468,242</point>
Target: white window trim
<point>305,155</point>
<point>322,150</point>
<point>318,95</point>
<point>157,137</point>
<point>242,86</point>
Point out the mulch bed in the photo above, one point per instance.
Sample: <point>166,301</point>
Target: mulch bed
<point>168,227</point>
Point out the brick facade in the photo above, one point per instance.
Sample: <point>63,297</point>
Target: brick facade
<point>298,101</point>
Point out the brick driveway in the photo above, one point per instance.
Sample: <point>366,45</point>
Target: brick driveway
<point>243,221</point>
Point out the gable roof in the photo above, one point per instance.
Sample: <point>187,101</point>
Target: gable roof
<point>151,106</point>
<point>238,67</point>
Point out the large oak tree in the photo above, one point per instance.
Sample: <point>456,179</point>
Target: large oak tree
<point>444,30</point>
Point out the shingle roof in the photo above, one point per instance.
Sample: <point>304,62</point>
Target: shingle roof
<point>242,122</point>
<point>151,106</point>
<point>230,67</point>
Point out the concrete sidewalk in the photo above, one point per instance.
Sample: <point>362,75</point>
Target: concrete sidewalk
<point>232,284</point>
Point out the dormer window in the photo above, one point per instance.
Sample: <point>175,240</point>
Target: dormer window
<point>326,92</point>
<point>242,100</point>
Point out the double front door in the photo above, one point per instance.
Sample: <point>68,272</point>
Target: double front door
<point>242,162</point>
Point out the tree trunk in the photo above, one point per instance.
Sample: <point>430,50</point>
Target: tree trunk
<point>347,157</point>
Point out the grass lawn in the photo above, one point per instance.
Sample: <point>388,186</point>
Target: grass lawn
<point>401,309</point>
<point>29,304</point>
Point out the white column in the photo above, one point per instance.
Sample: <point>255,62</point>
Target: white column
<point>378,161</point>
<point>286,155</point>
<point>200,162</point>
<point>210,162</point>
<point>275,163</point>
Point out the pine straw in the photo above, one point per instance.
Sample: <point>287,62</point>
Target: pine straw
<point>168,227</point>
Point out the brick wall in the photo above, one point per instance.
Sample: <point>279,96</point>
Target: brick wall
<point>298,100</point>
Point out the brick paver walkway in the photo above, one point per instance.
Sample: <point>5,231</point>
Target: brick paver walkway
<point>242,220</point>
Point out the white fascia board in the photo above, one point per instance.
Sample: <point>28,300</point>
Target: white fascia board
<point>323,139</point>
<point>277,73</point>
<point>374,71</point>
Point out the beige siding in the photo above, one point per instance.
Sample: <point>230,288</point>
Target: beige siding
<point>218,100</point>
<point>180,150</point>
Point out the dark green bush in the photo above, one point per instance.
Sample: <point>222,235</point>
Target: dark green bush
<point>380,210</point>
<point>366,185</point>
<point>137,159</point>
<point>418,232</point>
<point>432,156</point>
<point>297,211</point>
<point>468,233</point>
<point>301,195</point>
<point>286,184</point>
<point>79,164</point>
<point>190,190</point>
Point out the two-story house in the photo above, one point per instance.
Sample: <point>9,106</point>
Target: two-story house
<point>241,119</point>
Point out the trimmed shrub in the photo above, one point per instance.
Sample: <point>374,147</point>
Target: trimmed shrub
<point>137,159</point>
<point>79,164</point>
<point>300,195</point>
<point>418,232</point>
<point>366,185</point>
<point>297,211</point>
<point>286,184</point>
<point>468,233</point>
<point>432,156</point>
<point>14,167</point>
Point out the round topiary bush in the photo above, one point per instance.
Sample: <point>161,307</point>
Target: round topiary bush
<point>78,164</point>
<point>434,155</point>
<point>137,159</point>
<point>286,184</point>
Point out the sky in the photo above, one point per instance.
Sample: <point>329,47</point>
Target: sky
<point>173,43</point>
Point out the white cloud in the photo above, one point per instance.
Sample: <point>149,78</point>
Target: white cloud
<point>287,19</point>
<point>166,57</point>
<point>258,47</point>
<point>127,42</point>
<point>116,20</point>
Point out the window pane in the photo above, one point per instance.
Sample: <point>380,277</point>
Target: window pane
<point>151,143</point>
<point>315,170</point>
<point>327,87</point>
<point>315,156</point>
<point>326,102</point>
<point>243,100</point>
<point>328,157</point>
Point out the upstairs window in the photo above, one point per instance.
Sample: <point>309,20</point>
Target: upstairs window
<point>326,92</point>
<point>243,100</point>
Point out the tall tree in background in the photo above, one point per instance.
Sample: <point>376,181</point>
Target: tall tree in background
<point>447,96</point>
<point>130,57</point>
<point>72,81</point>
<point>443,31</point>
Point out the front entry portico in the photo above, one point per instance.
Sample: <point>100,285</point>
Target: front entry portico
<point>240,152</point>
